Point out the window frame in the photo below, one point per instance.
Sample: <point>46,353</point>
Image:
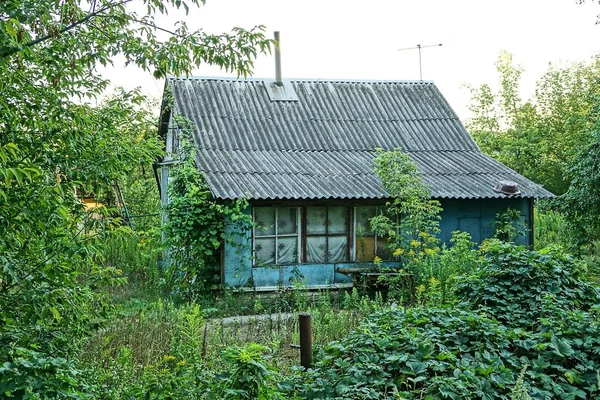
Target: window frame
<point>347,234</point>
<point>378,209</point>
<point>276,236</point>
<point>301,236</point>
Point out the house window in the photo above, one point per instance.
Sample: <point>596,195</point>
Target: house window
<point>276,235</point>
<point>326,234</point>
<point>367,243</point>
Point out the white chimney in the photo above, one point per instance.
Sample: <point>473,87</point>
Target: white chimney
<point>278,80</point>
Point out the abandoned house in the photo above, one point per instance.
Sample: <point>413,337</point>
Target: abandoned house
<point>301,152</point>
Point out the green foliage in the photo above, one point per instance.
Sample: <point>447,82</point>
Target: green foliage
<point>520,392</point>
<point>591,261</point>
<point>458,260</point>
<point>135,254</point>
<point>412,217</point>
<point>245,376</point>
<point>508,226</point>
<point>550,228</point>
<point>410,222</point>
<point>580,204</point>
<point>538,138</point>
<point>30,375</point>
<point>521,309</point>
<point>394,354</point>
<point>195,228</point>
<point>518,286</point>
<point>249,376</point>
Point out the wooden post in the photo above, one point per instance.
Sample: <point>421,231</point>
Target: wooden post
<point>306,350</point>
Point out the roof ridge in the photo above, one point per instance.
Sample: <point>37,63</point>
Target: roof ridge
<point>270,173</point>
<point>337,150</point>
<point>307,80</point>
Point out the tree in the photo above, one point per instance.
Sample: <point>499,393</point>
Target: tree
<point>52,140</point>
<point>538,138</point>
<point>580,204</point>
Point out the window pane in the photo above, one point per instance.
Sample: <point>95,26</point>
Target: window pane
<point>265,251</point>
<point>337,220</point>
<point>287,250</point>
<point>365,248</point>
<point>316,247</point>
<point>363,217</point>
<point>315,220</point>
<point>288,221</point>
<point>337,248</point>
<point>264,217</point>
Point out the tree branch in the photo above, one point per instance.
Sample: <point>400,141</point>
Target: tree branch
<point>67,28</point>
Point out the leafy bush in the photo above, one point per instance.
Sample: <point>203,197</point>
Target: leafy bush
<point>30,374</point>
<point>521,309</point>
<point>518,286</point>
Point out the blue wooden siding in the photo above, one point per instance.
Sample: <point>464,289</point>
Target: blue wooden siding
<point>474,216</point>
<point>477,217</point>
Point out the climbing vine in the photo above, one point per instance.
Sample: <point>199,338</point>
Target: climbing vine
<point>195,224</point>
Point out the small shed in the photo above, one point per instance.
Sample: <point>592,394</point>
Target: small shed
<point>301,152</point>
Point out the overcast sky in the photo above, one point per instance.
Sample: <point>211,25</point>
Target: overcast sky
<point>335,39</point>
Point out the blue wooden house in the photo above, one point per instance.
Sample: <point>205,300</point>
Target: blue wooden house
<point>301,152</point>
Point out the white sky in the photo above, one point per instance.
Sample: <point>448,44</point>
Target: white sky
<point>351,39</point>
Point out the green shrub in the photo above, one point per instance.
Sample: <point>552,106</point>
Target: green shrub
<point>521,309</point>
<point>518,286</point>
<point>32,375</point>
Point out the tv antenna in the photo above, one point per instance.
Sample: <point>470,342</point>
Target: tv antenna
<point>419,47</point>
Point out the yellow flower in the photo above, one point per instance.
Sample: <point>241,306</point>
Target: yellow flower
<point>181,363</point>
<point>168,358</point>
<point>411,253</point>
<point>429,252</point>
<point>398,252</point>
<point>414,243</point>
<point>377,260</point>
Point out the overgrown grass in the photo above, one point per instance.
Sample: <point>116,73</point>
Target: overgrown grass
<point>127,347</point>
<point>136,255</point>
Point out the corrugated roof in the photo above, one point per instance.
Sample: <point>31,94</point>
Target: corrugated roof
<point>322,145</point>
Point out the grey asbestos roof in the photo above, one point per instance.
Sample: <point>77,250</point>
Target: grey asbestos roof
<point>322,146</point>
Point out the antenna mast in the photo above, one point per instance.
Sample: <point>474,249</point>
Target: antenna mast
<point>419,47</point>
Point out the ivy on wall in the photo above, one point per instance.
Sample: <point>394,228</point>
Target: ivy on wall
<point>195,224</point>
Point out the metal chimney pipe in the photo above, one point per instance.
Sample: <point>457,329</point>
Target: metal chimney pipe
<point>278,80</point>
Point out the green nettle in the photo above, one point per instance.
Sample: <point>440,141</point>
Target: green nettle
<point>195,227</point>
